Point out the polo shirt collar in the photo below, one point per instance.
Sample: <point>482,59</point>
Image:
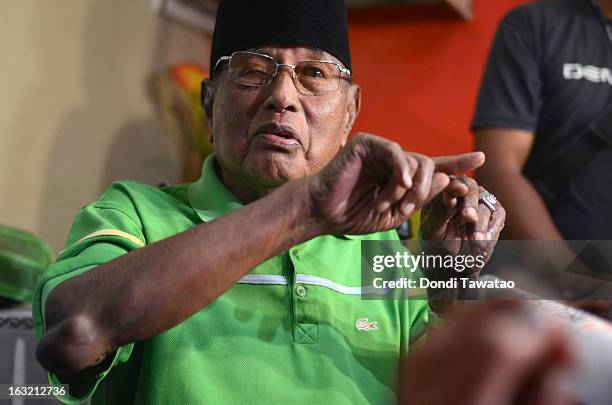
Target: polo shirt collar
<point>210,198</point>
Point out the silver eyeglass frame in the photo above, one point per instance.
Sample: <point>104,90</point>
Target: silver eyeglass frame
<point>228,59</point>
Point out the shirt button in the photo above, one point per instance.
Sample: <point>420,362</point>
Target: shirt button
<point>301,291</point>
<point>296,255</point>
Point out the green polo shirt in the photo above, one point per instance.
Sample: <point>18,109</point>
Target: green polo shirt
<point>293,330</point>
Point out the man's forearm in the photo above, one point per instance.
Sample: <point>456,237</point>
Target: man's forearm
<point>152,289</point>
<point>528,218</point>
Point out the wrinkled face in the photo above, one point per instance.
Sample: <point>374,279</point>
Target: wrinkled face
<point>265,136</point>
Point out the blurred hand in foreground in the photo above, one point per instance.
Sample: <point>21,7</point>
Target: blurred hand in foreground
<point>489,353</point>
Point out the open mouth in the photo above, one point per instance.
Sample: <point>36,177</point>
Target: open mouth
<point>278,134</point>
<point>283,134</point>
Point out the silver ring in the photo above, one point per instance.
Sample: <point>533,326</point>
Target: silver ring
<point>488,199</point>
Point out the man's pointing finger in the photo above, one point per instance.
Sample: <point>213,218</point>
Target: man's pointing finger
<point>459,163</point>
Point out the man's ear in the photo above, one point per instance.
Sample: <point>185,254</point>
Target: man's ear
<point>353,105</point>
<point>207,98</point>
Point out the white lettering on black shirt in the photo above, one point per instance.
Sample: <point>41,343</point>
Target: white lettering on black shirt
<point>576,71</point>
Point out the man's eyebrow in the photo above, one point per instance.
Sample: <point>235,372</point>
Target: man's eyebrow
<point>258,50</point>
<point>319,53</point>
<point>314,52</point>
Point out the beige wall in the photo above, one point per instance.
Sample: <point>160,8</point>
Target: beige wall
<point>74,108</point>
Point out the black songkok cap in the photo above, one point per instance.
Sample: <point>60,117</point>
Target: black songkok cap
<point>246,24</point>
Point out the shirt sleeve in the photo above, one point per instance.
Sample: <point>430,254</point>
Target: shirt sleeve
<point>417,314</point>
<point>101,232</point>
<point>509,95</point>
<point>419,319</point>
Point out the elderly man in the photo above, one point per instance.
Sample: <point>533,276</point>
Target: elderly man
<point>243,287</point>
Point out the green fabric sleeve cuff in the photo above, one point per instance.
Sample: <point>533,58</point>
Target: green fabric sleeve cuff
<point>435,320</point>
<point>121,355</point>
<point>86,390</point>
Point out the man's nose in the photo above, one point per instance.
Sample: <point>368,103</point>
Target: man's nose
<point>283,95</point>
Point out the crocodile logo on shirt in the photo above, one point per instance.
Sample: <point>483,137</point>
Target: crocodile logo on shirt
<point>364,324</point>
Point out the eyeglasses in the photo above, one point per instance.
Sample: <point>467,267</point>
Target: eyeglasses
<point>311,77</point>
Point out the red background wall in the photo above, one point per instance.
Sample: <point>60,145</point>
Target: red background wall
<point>420,70</point>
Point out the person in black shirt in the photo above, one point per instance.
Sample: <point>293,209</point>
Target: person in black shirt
<point>549,76</point>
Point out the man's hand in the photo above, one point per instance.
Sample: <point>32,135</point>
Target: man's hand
<point>504,356</point>
<point>373,185</point>
<point>456,216</point>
